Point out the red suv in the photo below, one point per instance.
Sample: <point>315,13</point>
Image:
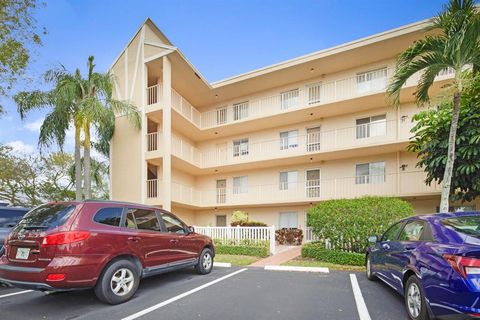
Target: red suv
<point>108,246</point>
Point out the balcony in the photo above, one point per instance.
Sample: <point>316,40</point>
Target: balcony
<point>304,96</point>
<point>404,184</point>
<point>362,135</point>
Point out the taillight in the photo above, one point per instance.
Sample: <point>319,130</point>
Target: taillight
<point>65,238</point>
<point>464,266</point>
<point>56,277</point>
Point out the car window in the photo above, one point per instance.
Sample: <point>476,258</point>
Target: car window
<point>469,225</point>
<point>109,216</point>
<point>412,231</point>
<point>47,216</point>
<point>173,224</point>
<point>390,234</point>
<point>142,219</point>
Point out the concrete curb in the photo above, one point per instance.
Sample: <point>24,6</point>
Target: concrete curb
<point>299,269</point>
<point>222,264</point>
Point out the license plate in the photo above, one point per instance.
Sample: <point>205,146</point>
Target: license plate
<point>22,253</point>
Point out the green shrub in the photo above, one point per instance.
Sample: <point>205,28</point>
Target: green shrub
<point>317,251</point>
<point>248,224</point>
<point>256,251</point>
<point>289,236</point>
<point>238,217</point>
<point>347,223</point>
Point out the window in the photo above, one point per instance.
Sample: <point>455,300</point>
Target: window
<point>314,93</point>
<point>221,221</point>
<point>240,111</point>
<point>312,185</point>
<point>288,220</point>
<point>142,219</point>
<point>240,147</point>
<point>372,126</point>
<point>109,216</point>
<point>467,225</point>
<point>289,99</point>
<point>313,139</point>
<point>221,191</point>
<point>370,173</point>
<point>412,231</point>
<point>240,185</point>
<point>374,80</point>
<point>48,216</point>
<point>172,224</point>
<point>221,115</point>
<point>390,234</point>
<point>288,180</point>
<point>288,139</point>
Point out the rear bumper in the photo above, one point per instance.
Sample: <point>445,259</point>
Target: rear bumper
<point>78,274</point>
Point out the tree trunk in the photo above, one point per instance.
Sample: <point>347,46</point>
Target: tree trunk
<point>447,175</point>
<point>78,166</point>
<point>87,163</point>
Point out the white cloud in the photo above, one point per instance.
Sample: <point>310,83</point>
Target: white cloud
<point>34,126</point>
<point>21,147</point>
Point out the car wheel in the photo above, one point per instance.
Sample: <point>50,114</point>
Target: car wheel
<point>415,300</point>
<point>368,269</point>
<point>205,262</point>
<point>118,282</point>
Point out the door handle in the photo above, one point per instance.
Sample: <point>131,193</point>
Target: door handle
<point>173,241</point>
<point>134,239</point>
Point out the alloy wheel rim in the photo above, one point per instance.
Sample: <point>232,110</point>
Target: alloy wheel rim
<point>207,261</point>
<point>414,300</point>
<point>122,282</point>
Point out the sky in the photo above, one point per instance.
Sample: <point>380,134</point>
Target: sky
<point>221,38</point>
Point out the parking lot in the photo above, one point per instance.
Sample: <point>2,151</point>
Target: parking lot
<point>226,293</point>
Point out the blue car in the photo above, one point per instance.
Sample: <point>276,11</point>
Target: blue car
<point>9,217</point>
<point>434,262</point>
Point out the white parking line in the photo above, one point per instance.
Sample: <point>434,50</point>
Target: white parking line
<point>222,264</point>
<point>357,293</point>
<point>15,293</point>
<point>301,269</point>
<point>180,296</point>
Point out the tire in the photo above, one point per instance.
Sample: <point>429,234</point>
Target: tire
<point>415,302</point>
<point>205,262</point>
<point>368,270</point>
<point>121,275</point>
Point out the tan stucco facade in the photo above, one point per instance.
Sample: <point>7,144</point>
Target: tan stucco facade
<point>272,142</point>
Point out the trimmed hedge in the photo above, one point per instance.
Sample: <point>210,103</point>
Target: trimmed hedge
<point>347,223</point>
<point>317,251</point>
<point>255,251</point>
<point>248,224</point>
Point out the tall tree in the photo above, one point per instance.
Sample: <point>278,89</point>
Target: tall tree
<point>85,102</point>
<point>18,37</point>
<point>454,44</point>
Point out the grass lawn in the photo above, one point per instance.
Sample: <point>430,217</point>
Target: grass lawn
<point>236,260</point>
<point>307,262</point>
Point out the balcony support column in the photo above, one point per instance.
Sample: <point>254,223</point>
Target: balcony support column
<point>167,134</point>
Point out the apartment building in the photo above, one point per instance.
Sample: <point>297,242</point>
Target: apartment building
<point>272,142</point>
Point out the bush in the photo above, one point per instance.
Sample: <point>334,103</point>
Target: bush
<point>246,247</point>
<point>289,236</point>
<point>256,251</point>
<point>238,217</point>
<point>248,224</point>
<point>317,251</point>
<point>347,223</point>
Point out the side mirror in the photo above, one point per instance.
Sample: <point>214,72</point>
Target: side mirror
<point>373,239</point>
<point>190,229</point>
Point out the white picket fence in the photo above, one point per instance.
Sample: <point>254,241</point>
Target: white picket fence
<point>238,235</point>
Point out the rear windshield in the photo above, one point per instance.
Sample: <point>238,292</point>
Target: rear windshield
<point>469,225</point>
<point>47,217</point>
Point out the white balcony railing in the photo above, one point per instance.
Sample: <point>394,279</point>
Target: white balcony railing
<point>321,141</point>
<point>394,184</point>
<point>322,92</point>
<point>153,141</point>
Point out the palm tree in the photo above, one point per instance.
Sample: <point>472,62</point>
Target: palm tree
<point>454,44</point>
<point>85,102</point>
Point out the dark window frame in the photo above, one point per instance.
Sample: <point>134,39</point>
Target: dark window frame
<point>122,216</point>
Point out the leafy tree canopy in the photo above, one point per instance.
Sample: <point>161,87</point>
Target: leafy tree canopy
<point>431,143</point>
